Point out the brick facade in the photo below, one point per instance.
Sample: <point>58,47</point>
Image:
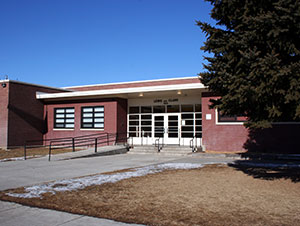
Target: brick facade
<point>21,113</point>
<point>24,117</point>
<point>220,138</point>
<point>115,117</point>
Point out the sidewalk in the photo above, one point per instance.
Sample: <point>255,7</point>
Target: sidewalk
<point>17,215</point>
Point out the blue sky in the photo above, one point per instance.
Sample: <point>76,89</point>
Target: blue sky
<point>79,42</point>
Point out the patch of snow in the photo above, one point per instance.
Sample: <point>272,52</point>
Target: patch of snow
<point>19,158</point>
<point>12,159</point>
<point>79,183</point>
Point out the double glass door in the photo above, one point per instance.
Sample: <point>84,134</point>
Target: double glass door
<point>166,126</point>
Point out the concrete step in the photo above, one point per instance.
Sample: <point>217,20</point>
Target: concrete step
<point>166,150</point>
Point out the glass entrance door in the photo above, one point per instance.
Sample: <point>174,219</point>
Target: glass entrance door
<point>167,126</point>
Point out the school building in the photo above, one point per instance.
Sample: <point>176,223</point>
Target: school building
<point>174,111</point>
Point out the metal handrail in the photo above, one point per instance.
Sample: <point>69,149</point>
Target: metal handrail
<point>157,144</point>
<point>79,141</point>
<point>193,145</point>
<point>107,139</point>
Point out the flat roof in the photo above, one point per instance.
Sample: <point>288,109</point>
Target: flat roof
<point>132,82</point>
<point>146,89</point>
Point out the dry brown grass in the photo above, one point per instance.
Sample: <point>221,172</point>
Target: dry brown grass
<point>212,195</point>
<point>30,152</point>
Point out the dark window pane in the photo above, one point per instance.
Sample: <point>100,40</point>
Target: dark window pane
<point>199,134</point>
<point>146,129</point>
<point>173,117</point>
<point>159,109</point>
<point>187,108</point>
<point>146,123</point>
<point>159,118</point>
<point>146,117</point>
<point>133,134</point>
<point>134,117</point>
<point>133,128</point>
<point>172,108</point>
<point>187,128</point>
<point>173,123</point>
<point>172,129</point>
<point>146,109</point>
<point>133,123</point>
<point>134,110</point>
<point>199,116</point>
<point>187,116</point>
<point>159,123</point>
<point>188,122</point>
<point>198,122</point>
<point>198,128</point>
<point>198,108</point>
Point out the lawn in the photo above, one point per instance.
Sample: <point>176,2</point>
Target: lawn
<point>18,153</point>
<point>212,195</point>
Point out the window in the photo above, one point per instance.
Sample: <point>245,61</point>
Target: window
<point>146,109</point>
<point>172,108</point>
<point>222,118</point>
<point>64,118</point>
<point>92,117</point>
<point>159,109</point>
<point>187,108</point>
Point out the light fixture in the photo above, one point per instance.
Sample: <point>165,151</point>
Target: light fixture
<point>141,95</point>
<point>179,92</point>
<point>3,85</point>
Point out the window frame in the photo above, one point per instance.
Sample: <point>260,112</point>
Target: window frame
<point>93,118</point>
<point>65,113</point>
<point>231,122</point>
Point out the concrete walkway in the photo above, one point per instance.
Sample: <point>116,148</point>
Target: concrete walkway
<point>13,214</point>
<point>24,173</point>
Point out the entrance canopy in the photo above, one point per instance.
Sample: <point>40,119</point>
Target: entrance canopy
<point>167,87</point>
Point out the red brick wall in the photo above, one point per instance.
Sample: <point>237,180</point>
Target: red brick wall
<point>3,114</point>
<point>122,119</point>
<point>220,138</point>
<point>114,117</point>
<point>25,113</point>
<point>138,84</point>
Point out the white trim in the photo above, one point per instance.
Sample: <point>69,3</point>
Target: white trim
<point>63,129</point>
<point>132,82</point>
<point>226,123</point>
<point>91,129</point>
<point>121,91</point>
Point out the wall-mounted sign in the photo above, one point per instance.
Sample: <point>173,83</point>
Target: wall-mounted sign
<point>208,116</point>
<point>165,101</point>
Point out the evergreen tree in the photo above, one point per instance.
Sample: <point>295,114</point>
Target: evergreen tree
<point>254,65</point>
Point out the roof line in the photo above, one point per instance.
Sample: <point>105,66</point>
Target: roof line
<point>31,84</point>
<point>120,91</point>
<point>117,83</point>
